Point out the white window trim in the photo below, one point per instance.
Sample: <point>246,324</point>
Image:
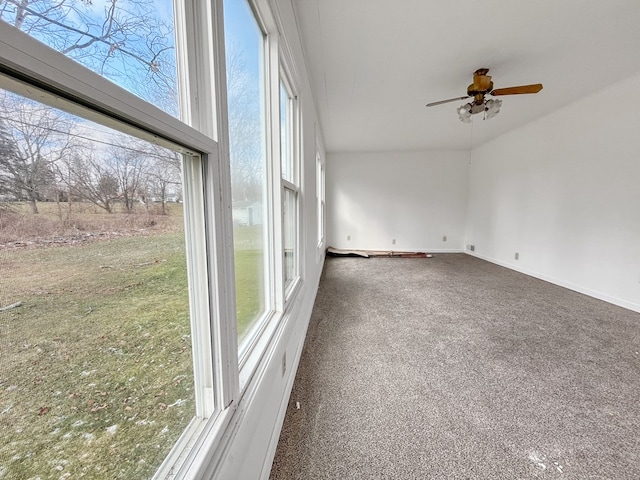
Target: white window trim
<point>225,381</point>
<point>320,196</point>
<point>254,351</point>
<point>250,352</point>
<point>31,69</point>
<point>285,77</point>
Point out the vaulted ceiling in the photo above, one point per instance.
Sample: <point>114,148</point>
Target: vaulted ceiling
<point>374,64</point>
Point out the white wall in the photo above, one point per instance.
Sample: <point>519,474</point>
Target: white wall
<point>564,192</point>
<point>413,197</point>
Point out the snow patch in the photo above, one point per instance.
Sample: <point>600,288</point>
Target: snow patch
<point>538,460</point>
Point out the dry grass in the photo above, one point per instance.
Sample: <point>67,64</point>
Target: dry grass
<point>95,368</point>
<point>80,222</point>
<point>96,376</point>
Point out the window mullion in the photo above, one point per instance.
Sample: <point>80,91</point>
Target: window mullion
<point>276,173</point>
<point>202,69</point>
<point>228,358</point>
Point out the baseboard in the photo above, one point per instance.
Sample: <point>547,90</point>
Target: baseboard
<point>408,250</point>
<point>562,283</point>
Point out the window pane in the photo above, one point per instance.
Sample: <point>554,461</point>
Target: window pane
<point>290,235</point>
<point>320,196</point>
<point>286,134</point>
<point>246,99</point>
<point>96,377</point>
<point>130,42</point>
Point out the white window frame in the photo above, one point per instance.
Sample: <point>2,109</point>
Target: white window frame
<point>320,196</point>
<point>249,353</point>
<point>223,380</point>
<point>293,183</point>
<point>32,69</point>
<point>275,49</point>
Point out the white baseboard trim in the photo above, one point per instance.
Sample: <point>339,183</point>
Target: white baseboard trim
<point>562,283</point>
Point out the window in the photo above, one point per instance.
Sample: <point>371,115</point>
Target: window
<point>320,197</point>
<point>290,191</point>
<point>108,291</point>
<point>246,94</point>
<point>124,336</point>
<point>95,361</point>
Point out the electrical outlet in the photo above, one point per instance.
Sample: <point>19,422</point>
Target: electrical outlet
<point>393,242</point>
<point>284,363</point>
<point>444,238</point>
<point>472,248</point>
<point>348,237</point>
<point>517,256</point>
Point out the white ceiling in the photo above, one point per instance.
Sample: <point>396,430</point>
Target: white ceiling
<point>374,64</point>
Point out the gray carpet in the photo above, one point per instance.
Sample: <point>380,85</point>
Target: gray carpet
<point>455,368</point>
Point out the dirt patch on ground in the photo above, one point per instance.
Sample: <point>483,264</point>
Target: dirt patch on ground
<point>21,229</point>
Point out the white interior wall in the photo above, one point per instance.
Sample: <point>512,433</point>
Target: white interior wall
<point>416,198</point>
<point>564,193</point>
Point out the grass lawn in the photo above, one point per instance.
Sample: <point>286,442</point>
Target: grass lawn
<point>95,365</point>
<point>249,270</point>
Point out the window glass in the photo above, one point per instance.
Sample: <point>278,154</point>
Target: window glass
<point>244,42</point>
<point>290,235</point>
<point>320,196</point>
<point>96,376</point>
<point>286,133</point>
<point>130,42</point>
<point>290,200</point>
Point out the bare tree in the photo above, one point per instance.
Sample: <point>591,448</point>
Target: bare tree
<point>246,135</point>
<point>91,181</point>
<point>128,163</point>
<point>40,137</point>
<point>164,176</point>
<point>127,41</point>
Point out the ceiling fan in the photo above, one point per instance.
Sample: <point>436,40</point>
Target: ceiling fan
<point>481,86</point>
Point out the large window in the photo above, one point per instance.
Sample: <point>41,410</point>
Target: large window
<point>104,294</point>
<point>95,361</point>
<point>320,192</point>
<point>290,193</point>
<point>246,99</point>
<point>126,344</point>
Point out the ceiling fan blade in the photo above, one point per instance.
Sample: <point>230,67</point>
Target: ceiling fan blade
<point>433,104</point>
<point>522,89</point>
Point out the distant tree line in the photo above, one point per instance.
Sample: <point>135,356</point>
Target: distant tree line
<point>44,156</point>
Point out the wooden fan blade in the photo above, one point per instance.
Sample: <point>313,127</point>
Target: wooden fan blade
<point>522,89</point>
<point>433,104</point>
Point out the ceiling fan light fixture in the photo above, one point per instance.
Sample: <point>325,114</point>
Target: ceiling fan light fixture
<point>464,112</point>
<point>482,86</point>
<point>492,108</point>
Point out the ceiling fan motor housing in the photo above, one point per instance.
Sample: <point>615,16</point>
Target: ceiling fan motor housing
<point>481,85</point>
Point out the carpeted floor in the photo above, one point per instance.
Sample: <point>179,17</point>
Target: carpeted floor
<point>455,368</point>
